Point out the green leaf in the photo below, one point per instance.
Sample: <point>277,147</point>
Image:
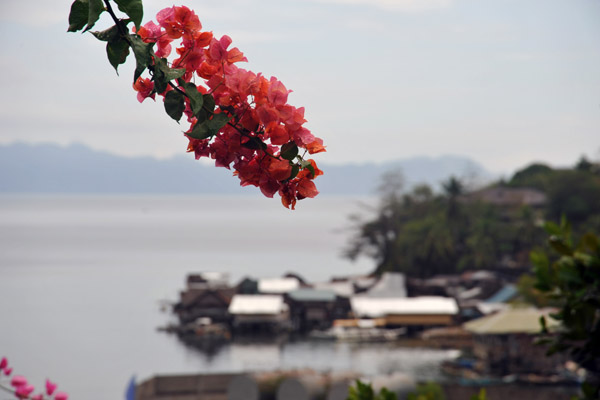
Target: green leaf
<point>208,128</point>
<point>255,144</point>
<point>170,74</point>
<point>78,17</point>
<point>543,324</point>
<point>108,35</point>
<point>559,246</point>
<point>569,275</point>
<point>200,131</point>
<point>96,7</point>
<point>196,98</point>
<point>552,228</point>
<point>117,52</point>
<point>163,74</point>
<point>289,151</point>
<point>209,103</point>
<point>174,104</point>
<point>143,55</point>
<point>134,9</point>
<point>385,394</point>
<point>590,241</point>
<point>218,121</point>
<point>295,170</point>
<point>589,390</point>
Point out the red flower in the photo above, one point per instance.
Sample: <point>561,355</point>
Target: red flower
<point>61,396</point>
<point>24,391</point>
<point>316,146</point>
<point>277,93</point>
<point>260,120</point>
<point>280,169</point>
<point>50,387</point>
<point>306,188</point>
<point>18,381</point>
<point>144,87</point>
<point>178,22</point>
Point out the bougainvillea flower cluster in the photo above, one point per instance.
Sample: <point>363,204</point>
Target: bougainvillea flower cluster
<point>244,121</point>
<point>22,389</point>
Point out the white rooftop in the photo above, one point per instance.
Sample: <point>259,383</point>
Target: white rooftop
<point>390,284</point>
<point>278,285</point>
<point>341,288</point>
<point>257,304</point>
<point>371,307</point>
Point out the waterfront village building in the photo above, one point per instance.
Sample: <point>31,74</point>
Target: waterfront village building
<point>259,313</point>
<point>278,285</point>
<point>315,308</point>
<point>412,312</point>
<point>504,343</point>
<point>276,304</point>
<point>207,295</point>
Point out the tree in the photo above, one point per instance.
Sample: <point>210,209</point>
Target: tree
<point>410,232</point>
<point>571,278</point>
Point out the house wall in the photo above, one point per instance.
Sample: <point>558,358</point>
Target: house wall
<point>419,319</point>
<point>514,354</point>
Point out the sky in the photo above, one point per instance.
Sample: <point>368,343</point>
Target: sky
<point>504,82</point>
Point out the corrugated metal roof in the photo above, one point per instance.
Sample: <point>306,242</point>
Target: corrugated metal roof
<point>257,304</point>
<point>341,288</point>
<point>278,285</point>
<point>372,307</point>
<point>513,320</point>
<point>307,294</point>
<point>503,295</point>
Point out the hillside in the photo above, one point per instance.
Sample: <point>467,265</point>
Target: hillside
<point>49,168</point>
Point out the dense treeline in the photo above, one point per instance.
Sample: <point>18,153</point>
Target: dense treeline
<point>423,233</point>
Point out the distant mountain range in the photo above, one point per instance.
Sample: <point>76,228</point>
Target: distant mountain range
<point>50,168</point>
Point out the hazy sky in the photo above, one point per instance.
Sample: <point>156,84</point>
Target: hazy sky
<point>505,82</point>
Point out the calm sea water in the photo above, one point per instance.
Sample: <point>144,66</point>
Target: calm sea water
<point>81,278</point>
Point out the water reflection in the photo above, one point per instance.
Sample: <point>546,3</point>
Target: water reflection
<point>282,353</point>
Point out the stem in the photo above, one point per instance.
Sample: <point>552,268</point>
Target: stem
<point>7,389</point>
<point>122,29</point>
<point>177,89</point>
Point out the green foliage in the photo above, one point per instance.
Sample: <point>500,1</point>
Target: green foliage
<point>572,279</point>
<point>535,176</point>
<point>480,396</point>
<point>210,127</point>
<point>422,233</point>
<point>289,151</point>
<point>134,9</point>
<point>174,104</point>
<point>196,98</point>
<point>529,294</point>
<point>364,391</point>
<point>79,15</point>
<point>574,194</point>
<point>427,391</point>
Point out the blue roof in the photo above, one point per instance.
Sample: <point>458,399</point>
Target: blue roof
<point>306,294</point>
<point>503,295</point>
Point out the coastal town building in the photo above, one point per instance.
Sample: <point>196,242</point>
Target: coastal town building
<point>504,343</point>
<point>315,308</point>
<point>414,312</point>
<point>259,313</point>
